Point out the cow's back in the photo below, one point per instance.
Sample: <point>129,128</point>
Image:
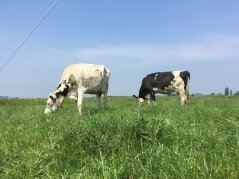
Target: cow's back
<point>88,76</point>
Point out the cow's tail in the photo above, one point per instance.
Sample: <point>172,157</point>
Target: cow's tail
<point>107,75</point>
<point>187,86</point>
<point>106,79</point>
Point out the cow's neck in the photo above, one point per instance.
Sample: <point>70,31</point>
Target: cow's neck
<point>142,94</point>
<point>59,100</point>
<point>62,91</point>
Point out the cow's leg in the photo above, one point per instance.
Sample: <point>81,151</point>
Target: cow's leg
<point>105,100</point>
<point>183,96</point>
<point>148,98</point>
<point>187,93</point>
<point>152,96</point>
<point>98,95</point>
<point>80,99</point>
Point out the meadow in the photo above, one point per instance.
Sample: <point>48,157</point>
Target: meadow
<point>200,140</point>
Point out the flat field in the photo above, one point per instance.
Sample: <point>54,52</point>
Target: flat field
<point>200,140</point>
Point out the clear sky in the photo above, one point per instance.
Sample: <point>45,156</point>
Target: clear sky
<point>131,37</point>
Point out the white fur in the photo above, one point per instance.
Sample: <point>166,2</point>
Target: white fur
<point>89,79</point>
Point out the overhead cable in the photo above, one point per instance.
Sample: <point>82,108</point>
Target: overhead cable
<point>29,34</point>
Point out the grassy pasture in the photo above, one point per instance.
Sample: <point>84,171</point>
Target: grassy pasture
<point>127,141</point>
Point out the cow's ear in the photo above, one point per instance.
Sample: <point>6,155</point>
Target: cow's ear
<point>72,80</point>
<point>135,96</point>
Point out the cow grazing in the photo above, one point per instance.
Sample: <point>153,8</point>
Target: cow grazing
<point>77,80</point>
<point>165,83</point>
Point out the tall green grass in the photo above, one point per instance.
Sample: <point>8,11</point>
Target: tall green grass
<point>200,140</point>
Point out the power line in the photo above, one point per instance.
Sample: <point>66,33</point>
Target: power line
<point>29,34</point>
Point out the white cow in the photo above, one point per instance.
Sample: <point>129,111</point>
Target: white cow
<point>77,80</point>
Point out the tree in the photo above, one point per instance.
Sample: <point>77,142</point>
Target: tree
<point>226,93</point>
<point>230,92</point>
<point>236,93</point>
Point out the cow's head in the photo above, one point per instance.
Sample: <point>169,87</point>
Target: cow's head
<point>55,99</point>
<point>140,100</point>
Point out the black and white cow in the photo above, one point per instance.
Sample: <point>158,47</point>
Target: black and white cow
<point>165,83</point>
<point>77,80</point>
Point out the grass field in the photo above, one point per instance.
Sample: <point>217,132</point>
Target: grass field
<point>127,141</point>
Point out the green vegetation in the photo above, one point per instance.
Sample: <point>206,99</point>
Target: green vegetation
<point>200,140</point>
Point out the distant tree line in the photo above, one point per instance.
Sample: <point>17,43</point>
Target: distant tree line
<point>4,97</point>
<point>7,97</point>
<point>227,92</point>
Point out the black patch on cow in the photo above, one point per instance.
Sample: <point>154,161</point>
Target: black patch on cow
<point>52,98</point>
<point>146,86</point>
<point>58,86</point>
<point>185,75</point>
<point>58,94</point>
<point>63,92</point>
<point>160,80</point>
<point>66,90</point>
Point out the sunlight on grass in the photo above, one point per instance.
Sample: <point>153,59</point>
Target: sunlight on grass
<point>200,140</point>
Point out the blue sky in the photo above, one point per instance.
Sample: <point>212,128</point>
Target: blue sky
<point>131,37</point>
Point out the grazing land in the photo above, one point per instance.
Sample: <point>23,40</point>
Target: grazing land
<point>200,140</point>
